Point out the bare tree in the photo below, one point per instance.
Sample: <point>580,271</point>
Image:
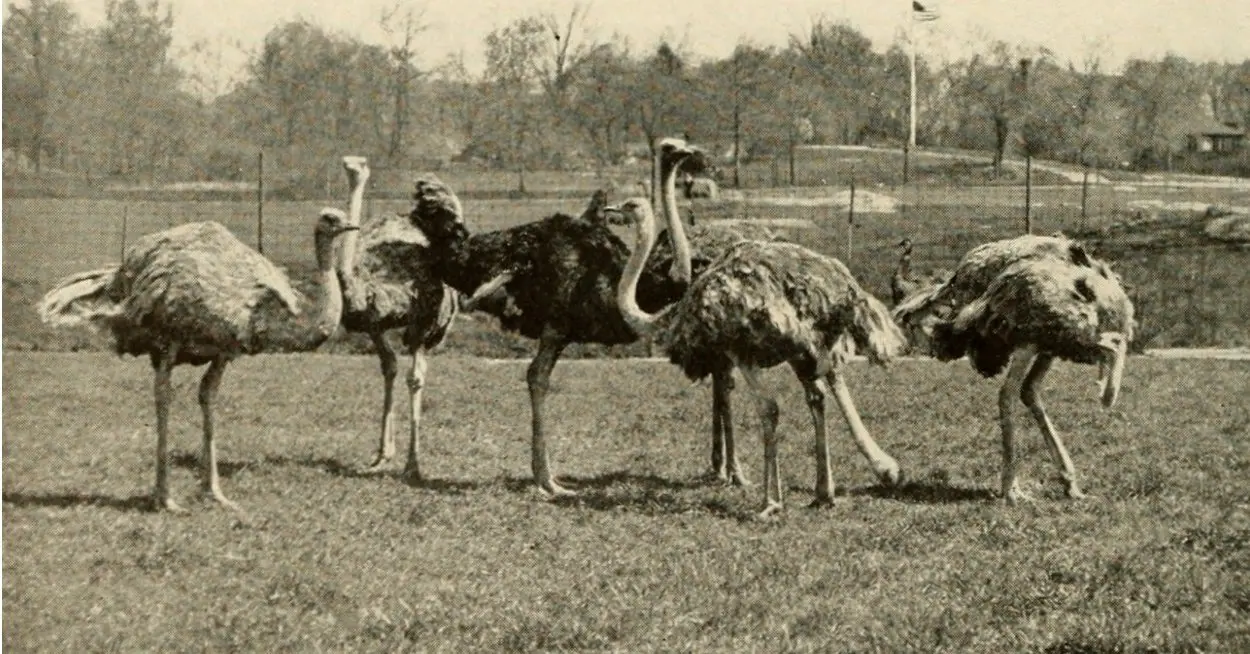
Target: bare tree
<point>510,55</point>
<point>403,24</point>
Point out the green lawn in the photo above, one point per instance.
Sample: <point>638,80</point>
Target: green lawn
<point>647,558</point>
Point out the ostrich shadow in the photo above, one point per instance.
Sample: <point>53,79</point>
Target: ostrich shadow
<point>137,503</point>
<point>922,492</point>
<point>645,494</point>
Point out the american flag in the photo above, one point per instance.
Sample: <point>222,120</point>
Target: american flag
<point>923,14</point>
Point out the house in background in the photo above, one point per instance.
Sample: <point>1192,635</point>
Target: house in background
<point>1210,135</point>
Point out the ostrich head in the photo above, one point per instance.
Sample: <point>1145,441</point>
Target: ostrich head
<point>905,244</point>
<point>677,152</point>
<point>357,170</point>
<point>331,224</point>
<point>436,210</point>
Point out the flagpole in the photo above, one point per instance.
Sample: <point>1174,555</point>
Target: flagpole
<point>911,115</point>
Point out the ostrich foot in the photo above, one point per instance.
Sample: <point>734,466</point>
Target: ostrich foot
<point>1014,496</point>
<point>551,490</point>
<point>822,501</point>
<point>890,475</point>
<point>728,478</point>
<point>380,464</point>
<point>168,505</point>
<point>216,496</point>
<point>736,478</point>
<point>771,509</point>
<point>1075,493</point>
<point>412,474</point>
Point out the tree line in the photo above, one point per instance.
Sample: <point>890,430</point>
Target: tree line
<point>116,101</point>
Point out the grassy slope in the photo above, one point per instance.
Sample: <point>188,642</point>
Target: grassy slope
<point>645,560</point>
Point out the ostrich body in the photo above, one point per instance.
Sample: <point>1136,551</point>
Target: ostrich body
<point>195,294</point>
<point>1043,298</point>
<point>760,305</point>
<point>558,279</point>
<point>918,313</point>
<point>388,284</point>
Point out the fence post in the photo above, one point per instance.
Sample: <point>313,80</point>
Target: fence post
<point>1028,193</point>
<point>1084,196</point>
<point>850,220</point>
<point>125,219</point>
<point>260,201</point>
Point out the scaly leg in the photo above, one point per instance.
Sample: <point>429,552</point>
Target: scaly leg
<point>163,365</point>
<point>815,391</point>
<point>416,382</point>
<point>769,416</point>
<point>209,483</point>
<point>884,465</point>
<point>1021,363</point>
<point>1031,395</point>
<point>724,453</point>
<point>390,369</point>
<point>538,377</point>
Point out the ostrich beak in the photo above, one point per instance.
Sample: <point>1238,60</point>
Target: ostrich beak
<point>1111,368</point>
<point>615,215</point>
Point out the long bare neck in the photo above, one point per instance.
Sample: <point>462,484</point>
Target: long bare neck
<point>326,303</point>
<point>348,242</point>
<point>641,322</point>
<point>682,268</point>
<point>904,262</point>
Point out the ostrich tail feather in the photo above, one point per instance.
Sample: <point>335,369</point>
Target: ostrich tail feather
<point>875,332</point>
<point>79,298</point>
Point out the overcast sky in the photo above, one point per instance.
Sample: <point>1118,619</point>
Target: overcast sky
<point>1197,29</point>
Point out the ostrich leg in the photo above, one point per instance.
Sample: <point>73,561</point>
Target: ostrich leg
<point>390,368</point>
<point>163,365</point>
<point>416,382</point>
<point>550,345</point>
<point>883,464</point>
<point>815,391</point>
<point>724,454</point>
<point>209,384</point>
<point>1031,395</point>
<point>1021,362</point>
<point>769,415</point>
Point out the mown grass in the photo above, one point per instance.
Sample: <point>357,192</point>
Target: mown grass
<point>647,558</point>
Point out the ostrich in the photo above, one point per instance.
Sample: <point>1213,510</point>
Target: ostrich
<point>195,294</point>
<point>760,305</point>
<point>388,284</point>
<point>1018,304</point>
<point>902,284</point>
<point>559,276</point>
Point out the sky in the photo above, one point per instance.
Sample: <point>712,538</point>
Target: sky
<point>1196,29</point>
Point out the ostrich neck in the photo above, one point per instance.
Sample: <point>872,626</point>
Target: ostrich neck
<point>348,242</point>
<point>684,270</point>
<point>904,263</point>
<point>327,302</point>
<point>641,322</point>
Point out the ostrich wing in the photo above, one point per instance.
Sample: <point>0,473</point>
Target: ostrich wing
<point>392,268</point>
<point>1061,307</point>
<point>198,279</point>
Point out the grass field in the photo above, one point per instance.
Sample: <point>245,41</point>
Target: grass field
<point>647,558</point>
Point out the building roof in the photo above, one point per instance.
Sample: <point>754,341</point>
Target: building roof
<point>1212,127</point>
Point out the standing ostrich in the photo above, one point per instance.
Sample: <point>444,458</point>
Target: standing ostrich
<point>195,294</point>
<point>1041,298</point>
<point>559,276</point>
<point>761,305</point>
<point>388,284</point>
